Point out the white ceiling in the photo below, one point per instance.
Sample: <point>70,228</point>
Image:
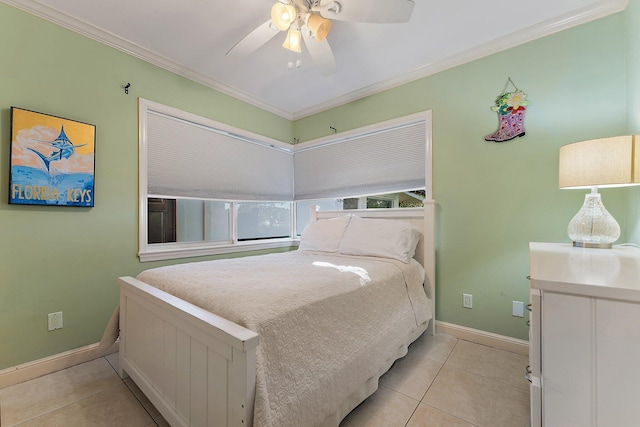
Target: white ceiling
<point>191,38</point>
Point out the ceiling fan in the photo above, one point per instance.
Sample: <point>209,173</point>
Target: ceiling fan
<point>310,20</point>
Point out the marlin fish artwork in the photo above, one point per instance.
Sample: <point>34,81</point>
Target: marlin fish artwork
<point>64,149</point>
<point>46,167</point>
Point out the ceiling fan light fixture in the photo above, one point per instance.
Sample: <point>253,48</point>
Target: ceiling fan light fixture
<point>282,15</point>
<point>320,27</point>
<point>293,41</point>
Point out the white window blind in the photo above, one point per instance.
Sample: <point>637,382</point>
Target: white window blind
<point>385,160</point>
<point>188,159</point>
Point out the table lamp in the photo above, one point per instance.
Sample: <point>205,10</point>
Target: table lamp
<point>605,162</point>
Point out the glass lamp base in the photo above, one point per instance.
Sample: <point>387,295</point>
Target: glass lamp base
<point>593,226</point>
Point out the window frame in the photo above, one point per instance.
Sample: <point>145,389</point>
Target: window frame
<point>363,133</point>
<point>176,250</point>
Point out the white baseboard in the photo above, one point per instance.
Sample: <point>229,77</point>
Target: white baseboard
<point>48,365</point>
<point>481,337</point>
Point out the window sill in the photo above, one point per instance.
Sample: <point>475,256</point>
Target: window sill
<point>166,253</point>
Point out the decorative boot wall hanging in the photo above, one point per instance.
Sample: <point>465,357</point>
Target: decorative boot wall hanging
<point>511,107</point>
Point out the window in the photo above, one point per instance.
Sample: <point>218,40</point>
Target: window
<point>405,199</point>
<point>303,211</point>
<point>383,201</point>
<point>257,221</point>
<point>208,188</point>
<point>188,220</point>
<point>389,157</point>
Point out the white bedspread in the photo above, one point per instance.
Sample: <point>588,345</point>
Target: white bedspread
<point>326,323</point>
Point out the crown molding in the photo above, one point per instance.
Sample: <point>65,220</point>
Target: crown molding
<point>546,28</point>
<point>83,28</point>
<point>582,16</point>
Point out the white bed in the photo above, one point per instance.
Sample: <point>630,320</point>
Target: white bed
<point>301,366</point>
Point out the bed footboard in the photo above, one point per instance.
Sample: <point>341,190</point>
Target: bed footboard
<point>197,368</point>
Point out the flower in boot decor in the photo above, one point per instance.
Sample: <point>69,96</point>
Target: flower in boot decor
<point>511,107</point>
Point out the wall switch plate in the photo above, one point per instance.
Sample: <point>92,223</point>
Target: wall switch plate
<point>518,309</point>
<point>55,321</point>
<point>467,300</point>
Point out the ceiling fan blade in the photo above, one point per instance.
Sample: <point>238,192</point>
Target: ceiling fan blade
<point>368,11</point>
<point>254,40</point>
<point>320,52</point>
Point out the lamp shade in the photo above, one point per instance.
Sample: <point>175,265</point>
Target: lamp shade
<point>605,162</point>
<point>319,26</point>
<point>282,15</point>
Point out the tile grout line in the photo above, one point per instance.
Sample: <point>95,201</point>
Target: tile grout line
<point>470,372</point>
<point>434,379</point>
<point>69,403</point>
<point>155,422</point>
<point>66,405</point>
<point>123,382</point>
<point>496,380</point>
<point>439,370</point>
<point>525,387</point>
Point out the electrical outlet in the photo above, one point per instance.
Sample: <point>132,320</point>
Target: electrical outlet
<point>518,309</point>
<point>55,321</point>
<point>467,300</point>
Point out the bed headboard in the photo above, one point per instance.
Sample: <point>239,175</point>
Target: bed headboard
<point>424,219</point>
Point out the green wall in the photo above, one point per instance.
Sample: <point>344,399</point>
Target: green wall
<point>68,259</point>
<point>633,91</point>
<point>492,198</point>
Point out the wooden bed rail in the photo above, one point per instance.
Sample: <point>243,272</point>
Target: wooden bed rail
<point>197,368</point>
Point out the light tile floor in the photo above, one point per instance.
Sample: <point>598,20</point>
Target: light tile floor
<point>443,381</point>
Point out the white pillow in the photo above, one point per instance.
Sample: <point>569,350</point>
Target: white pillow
<point>324,234</point>
<point>384,238</point>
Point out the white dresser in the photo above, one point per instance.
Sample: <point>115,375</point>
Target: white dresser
<point>584,339</point>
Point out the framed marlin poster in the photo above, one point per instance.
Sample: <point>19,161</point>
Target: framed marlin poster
<point>52,160</point>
